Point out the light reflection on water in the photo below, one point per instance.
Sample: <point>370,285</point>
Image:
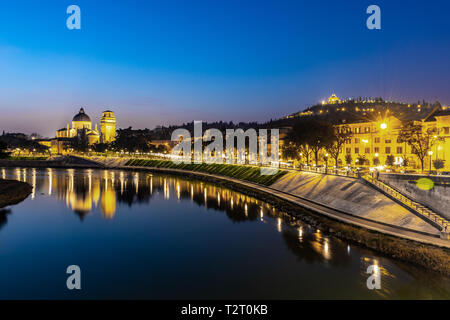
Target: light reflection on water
<point>291,258</point>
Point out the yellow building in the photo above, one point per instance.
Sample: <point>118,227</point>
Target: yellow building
<point>81,122</point>
<point>373,141</point>
<point>108,126</point>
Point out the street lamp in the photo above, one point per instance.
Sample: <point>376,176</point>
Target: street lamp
<point>430,153</point>
<point>383,126</point>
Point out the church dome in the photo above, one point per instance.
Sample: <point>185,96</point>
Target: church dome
<point>81,116</point>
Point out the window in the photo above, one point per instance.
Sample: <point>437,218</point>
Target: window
<point>356,150</point>
<point>376,150</point>
<point>367,129</point>
<point>399,150</point>
<point>377,139</point>
<point>387,141</point>
<point>367,150</point>
<point>357,130</point>
<point>388,150</point>
<point>348,141</point>
<point>356,140</point>
<point>348,150</point>
<point>446,130</point>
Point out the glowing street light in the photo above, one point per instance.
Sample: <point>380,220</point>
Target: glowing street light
<point>383,126</point>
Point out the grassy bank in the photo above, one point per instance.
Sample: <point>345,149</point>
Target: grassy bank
<point>13,192</point>
<point>247,173</point>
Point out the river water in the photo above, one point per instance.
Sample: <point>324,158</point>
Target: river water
<point>142,235</point>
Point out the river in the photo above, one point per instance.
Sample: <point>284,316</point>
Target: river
<point>140,235</point>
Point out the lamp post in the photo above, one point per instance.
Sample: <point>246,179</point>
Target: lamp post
<point>430,153</point>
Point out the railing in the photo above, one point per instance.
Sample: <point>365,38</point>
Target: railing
<point>333,171</point>
<point>417,207</point>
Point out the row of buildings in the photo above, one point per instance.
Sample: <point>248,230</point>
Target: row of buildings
<point>373,139</point>
<point>376,140</point>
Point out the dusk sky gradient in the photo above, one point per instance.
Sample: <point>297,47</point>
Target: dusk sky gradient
<point>169,62</point>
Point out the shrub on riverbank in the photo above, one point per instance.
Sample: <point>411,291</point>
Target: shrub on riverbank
<point>247,173</point>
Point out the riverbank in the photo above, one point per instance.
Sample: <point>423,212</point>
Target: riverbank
<point>415,248</point>
<point>53,162</point>
<point>13,192</point>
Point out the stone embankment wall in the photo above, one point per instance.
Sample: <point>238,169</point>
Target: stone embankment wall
<point>437,198</point>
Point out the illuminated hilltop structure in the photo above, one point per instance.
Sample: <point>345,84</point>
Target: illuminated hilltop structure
<point>333,99</point>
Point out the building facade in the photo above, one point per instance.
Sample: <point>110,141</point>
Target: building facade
<point>372,142</point>
<point>82,124</point>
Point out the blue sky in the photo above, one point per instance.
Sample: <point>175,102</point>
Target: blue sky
<point>168,62</point>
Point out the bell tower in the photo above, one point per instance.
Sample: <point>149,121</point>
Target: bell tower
<point>108,126</point>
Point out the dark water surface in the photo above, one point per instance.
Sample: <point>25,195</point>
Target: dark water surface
<point>142,235</point>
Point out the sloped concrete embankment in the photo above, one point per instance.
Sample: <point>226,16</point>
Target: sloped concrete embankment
<point>353,197</point>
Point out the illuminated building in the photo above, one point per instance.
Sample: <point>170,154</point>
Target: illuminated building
<point>82,124</point>
<point>333,99</point>
<point>108,126</point>
<point>373,141</point>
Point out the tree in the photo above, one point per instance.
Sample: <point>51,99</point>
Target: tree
<point>390,159</point>
<point>405,162</point>
<point>80,142</point>
<point>348,159</point>
<point>362,160</point>
<point>419,139</point>
<point>133,140</point>
<point>100,147</point>
<point>3,147</point>
<point>290,151</point>
<point>23,142</point>
<point>340,136</point>
<point>376,161</point>
<point>438,164</point>
<point>312,135</point>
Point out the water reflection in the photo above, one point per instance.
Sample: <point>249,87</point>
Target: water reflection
<point>86,192</point>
